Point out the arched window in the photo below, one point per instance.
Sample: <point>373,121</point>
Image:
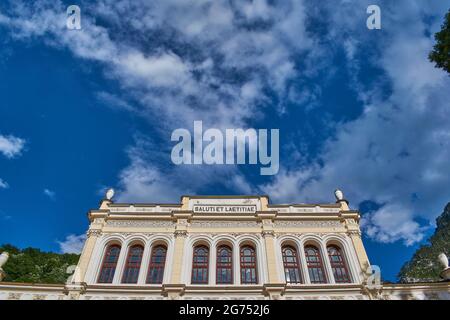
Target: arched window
<point>249,270</point>
<point>200,264</point>
<point>291,265</point>
<point>133,264</point>
<point>156,266</point>
<point>315,265</point>
<point>338,265</point>
<point>224,265</point>
<point>109,264</point>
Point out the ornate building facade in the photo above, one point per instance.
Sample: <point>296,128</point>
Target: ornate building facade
<point>224,247</point>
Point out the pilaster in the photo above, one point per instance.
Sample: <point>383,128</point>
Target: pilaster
<point>86,255</point>
<point>268,233</point>
<point>176,288</point>
<point>351,220</point>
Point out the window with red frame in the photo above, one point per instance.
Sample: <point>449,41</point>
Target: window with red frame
<point>109,264</point>
<point>157,262</point>
<point>315,265</point>
<point>200,265</point>
<point>338,265</point>
<point>291,265</point>
<point>133,264</point>
<point>249,272</point>
<point>224,265</point>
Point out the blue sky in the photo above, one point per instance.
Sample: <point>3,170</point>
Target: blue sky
<point>362,110</point>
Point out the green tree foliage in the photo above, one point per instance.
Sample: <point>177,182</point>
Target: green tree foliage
<point>441,50</point>
<point>33,265</point>
<point>424,265</point>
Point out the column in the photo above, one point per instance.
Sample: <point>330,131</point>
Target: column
<point>269,243</point>
<point>326,263</point>
<point>145,263</point>
<point>178,257</point>
<point>361,254</point>
<point>274,288</point>
<point>175,288</point>
<point>212,266</point>
<point>236,264</point>
<point>121,264</point>
<point>304,265</point>
<point>86,255</point>
<point>77,284</point>
<point>97,222</point>
<point>351,220</point>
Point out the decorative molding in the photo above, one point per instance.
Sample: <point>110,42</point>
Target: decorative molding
<point>94,232</point>
<point>292,209</point>
<point>127,234</point>
<point>139,224</point>
<point>14,296</point>
<point>354,232</point>
<point>265,233</point>
<point>351,221</point>
<point>183,222</point>
<point>267,222</point>
<point>132,234</point>
<point>148,235</point>
<point>224,224</point>
<point>180,233</point>
<point>131,209</point>
<point>235,234</point>
<point>309,224</point>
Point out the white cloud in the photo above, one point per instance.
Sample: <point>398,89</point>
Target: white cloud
<point>221,75</point>
<point>149,179</point>
<point>392,223</point>
<point>396,153</point>
<point>114,101</point>
<point>51,194</point>
<point>165,70</point>
<point>214,61</point>
<point>3,184</point>
<point>142,182</point>
<point>11,146</point>
<point>72,243</point>
<point>218,56</point>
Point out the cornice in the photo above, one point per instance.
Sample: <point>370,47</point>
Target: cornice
<point>225,196</point>
<point>124,204</point>
<point>305,205</point>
